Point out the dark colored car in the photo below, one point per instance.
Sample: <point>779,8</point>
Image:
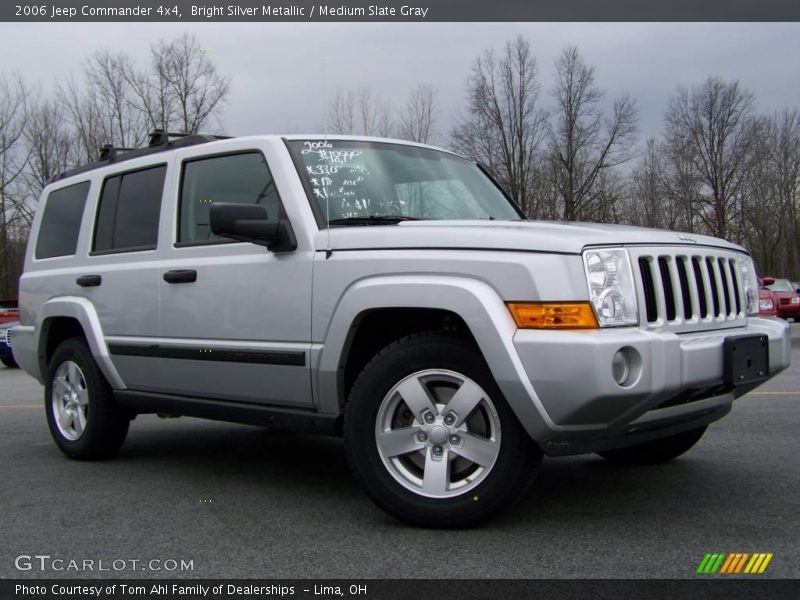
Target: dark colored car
<point>9,310</point>
<point>6,355</point>
<point>786,297</point>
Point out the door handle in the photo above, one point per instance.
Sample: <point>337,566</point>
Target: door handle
<point>89,280</point>
<point>181,276</point>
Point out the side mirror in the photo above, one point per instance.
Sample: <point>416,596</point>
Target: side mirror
<point>769,280</point>
<point>250,223</point>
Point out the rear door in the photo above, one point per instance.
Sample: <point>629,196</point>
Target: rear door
<point>120,273</point>
<point>235,317</point>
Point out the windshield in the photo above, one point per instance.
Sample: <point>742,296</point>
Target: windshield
<point>349,180</point>
<point>781,285</point>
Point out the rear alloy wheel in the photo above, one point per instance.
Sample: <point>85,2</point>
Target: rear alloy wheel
<point>430,437</point>
<point>655,451</point>
<point>85,421</point>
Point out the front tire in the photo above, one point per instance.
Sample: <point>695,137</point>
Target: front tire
<point>10,363</point>
<point>431,439</point>
<point>84,420</point>
<point>655,451</point>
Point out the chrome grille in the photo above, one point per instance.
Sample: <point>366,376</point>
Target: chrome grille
<point>689,288</point>
<point>8,336</point>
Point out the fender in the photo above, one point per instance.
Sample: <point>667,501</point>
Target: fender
<point>83,311</point>
<point>475,302</point>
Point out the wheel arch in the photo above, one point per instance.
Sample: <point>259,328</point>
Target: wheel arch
<point>470,304</point>
<point>65,317</point>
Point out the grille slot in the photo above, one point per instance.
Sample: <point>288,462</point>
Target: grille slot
<point>687,289</point>
<point>701,288</point>
<point>649,290</point>
<point>666,280</point>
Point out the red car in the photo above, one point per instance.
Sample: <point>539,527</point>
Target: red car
<point>787,300</point>
<point>767,302</point>
<point>9,310</point>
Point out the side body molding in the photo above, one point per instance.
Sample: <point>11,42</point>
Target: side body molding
<point>83,311</point>
<point>474,301</point>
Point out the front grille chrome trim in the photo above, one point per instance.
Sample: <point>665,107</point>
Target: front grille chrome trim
<point>684,289</point>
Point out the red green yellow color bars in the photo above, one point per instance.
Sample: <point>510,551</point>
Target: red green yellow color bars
<point>738,562</point>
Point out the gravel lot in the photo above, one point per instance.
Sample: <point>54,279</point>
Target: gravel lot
<point>237,501</point>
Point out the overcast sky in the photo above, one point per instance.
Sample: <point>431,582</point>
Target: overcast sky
<point>277,68</point>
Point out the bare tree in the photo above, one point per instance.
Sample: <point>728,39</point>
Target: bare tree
<point>101,109</point>
<point>364,113</point>
<point>711,126</point>
<point>51,144</point>
<point>118,104</point>
<point>771,193</point>
<point>504,127</point>
<point>341,114</point>
<point>584,140</point>
<point>416,119</point>
<point>184,88</point>
<point>14,114</point>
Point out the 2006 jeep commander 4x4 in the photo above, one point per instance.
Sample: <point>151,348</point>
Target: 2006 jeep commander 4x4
<point>385,291</point>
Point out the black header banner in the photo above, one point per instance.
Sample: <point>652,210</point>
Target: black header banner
<point>399,10</point>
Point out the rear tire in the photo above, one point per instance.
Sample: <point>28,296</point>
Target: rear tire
<point>656,451</point>
<point>431,439</point>
<point>85,421</point>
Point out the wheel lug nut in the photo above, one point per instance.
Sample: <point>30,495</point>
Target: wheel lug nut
<point>422,436</point>
<point>437,450</point>
<point>429,418</point>
<point>449,419</point>
<point>454,439</point>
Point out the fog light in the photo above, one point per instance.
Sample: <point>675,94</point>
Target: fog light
<point>620,367</point>
<point>626,366</point>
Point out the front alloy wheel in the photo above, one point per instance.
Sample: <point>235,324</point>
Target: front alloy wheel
<point>430,437</point>
<point>438,433</point>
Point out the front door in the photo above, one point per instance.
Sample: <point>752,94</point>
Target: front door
<point>235,317</point>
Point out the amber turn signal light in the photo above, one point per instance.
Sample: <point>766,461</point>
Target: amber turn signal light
<point>553,315</point>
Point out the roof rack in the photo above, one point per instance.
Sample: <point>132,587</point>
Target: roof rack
<point>158,141</point>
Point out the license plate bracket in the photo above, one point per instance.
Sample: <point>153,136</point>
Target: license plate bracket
<point>746,360</point>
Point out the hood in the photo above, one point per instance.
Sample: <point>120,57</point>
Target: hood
<point>534,236</point>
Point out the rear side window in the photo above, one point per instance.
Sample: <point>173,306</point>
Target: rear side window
<point>61,221</point>
<point>239,178</point>
<point>128,214</point>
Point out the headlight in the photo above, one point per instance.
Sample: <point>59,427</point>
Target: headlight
<point>765,304</point>
<point>750,283</point>
<point>611,288</point>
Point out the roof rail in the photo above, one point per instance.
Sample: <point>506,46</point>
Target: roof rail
<point>158,141</point>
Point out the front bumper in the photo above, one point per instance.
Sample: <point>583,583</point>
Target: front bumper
<point>679,382</point>
<point>788,311</point>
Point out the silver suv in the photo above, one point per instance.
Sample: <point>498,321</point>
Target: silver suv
<point>387,292</point>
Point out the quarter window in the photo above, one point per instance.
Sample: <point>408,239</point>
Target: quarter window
<point>128,215</point>
<point>238,178</point>
<point>61,221</point>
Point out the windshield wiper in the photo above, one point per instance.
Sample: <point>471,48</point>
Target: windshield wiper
<point>372,220</point>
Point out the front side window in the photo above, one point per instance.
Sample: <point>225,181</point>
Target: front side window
<point>129,210</point>
<point>352,180</point>
<point>237,178</point>
<point>61,221</point>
